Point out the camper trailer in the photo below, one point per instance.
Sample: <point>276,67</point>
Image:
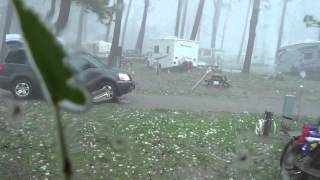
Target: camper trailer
<point>99,49</point>
<point>211,57</point>
<point>301,57</point>
<point>172,52</point>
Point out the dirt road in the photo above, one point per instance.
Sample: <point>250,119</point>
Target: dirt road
<point>215,104</point>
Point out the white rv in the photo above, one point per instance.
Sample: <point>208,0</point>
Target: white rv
<point>211,56</point>
<point>100,49</point>
<point>299,57</point>
<point>172,52</point>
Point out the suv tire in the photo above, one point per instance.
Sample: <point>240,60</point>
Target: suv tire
<point>106,92</point>
<point>22,88</point>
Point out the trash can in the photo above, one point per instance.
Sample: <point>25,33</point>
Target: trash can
<point>289,107</point>
<point>288,111</point>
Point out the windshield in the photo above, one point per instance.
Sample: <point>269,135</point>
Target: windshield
<point>85,61</point>
<point>160,89</point>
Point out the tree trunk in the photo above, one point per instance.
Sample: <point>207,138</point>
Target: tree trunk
<point>283,17</point>
<point>140,40</point>
<point>215,24</point>
<point>244,33</point>
<point>115,52</point>
<point>252,36</point>
<point>125,23</point>
<point>63,17</point>
<point>184,17</point>
<point>225,25</point>
<point>197,20</point>
<point>50,14</point>
<point>6,30</point>
<point>80,27</point>
<point>178,17</point>
<point>109,26</point>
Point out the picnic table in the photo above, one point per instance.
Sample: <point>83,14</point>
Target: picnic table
<point>218,81</point>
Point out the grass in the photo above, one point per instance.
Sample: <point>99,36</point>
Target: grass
<point>242,85</point>
<point>110,142</point>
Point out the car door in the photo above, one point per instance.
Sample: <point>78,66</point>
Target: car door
<point>17,66</point>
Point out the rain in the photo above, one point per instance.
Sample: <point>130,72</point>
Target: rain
<point>159,89</point>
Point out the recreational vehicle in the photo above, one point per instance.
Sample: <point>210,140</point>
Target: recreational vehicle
<point>210,56</point>
<point>172,52</point>
<point>99,49</point>
<point>296,58</point>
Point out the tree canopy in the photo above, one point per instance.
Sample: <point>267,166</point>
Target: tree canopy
<point>100,7</point>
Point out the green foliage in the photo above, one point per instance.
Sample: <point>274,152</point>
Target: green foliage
<point>311,21</point>
<point>114,142</point>
<point>100,7</point>
<point>48,60</point>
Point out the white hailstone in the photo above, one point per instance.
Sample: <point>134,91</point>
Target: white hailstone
<point>44,167</point>
<point>101,155</point>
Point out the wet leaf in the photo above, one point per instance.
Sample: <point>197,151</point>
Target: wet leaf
<point>48,59</point>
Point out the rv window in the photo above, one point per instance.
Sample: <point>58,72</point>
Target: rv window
<point>168,49</point>
<point>207,52</point>
<point>308,55</point>
<point>156,49</point>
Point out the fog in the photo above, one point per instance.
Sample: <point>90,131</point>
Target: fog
<point>161,21</point>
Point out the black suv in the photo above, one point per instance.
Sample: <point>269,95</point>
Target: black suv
<point>104,84</point>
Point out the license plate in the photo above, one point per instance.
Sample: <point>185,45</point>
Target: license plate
<point>216,82</point>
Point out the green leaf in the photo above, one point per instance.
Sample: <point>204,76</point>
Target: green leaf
<point>48,60</point>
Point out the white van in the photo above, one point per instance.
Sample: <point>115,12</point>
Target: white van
<point>172,52</point>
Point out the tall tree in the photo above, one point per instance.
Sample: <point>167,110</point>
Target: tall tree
<point>142,31</point>
<point>125,23</point>
<point>63,17</point>
<point>178,17</point>
<point>244,33</point>
<point>184,18</point>
<point>115,52</point>
<point>197,20</point>
<point>50,14</point>
<point>252,36</point>
<point>283,16</point>
<point>109,27</point>
<point>7,26</point>
<point>80,26</point>
<point>225,24</point>
<point>215,24</point>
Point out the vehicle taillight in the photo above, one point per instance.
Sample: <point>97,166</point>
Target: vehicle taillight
<point>1,68</point>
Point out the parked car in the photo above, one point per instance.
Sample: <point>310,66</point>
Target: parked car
<point>104,84</point>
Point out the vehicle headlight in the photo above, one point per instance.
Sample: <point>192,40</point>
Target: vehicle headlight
<point>124,77</point>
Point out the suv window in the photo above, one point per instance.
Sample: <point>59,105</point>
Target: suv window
<point>13,45</point>
<point>16,57</point>
<point>80,63</point>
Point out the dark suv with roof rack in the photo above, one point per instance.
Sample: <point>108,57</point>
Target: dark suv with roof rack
<point>104,84</point>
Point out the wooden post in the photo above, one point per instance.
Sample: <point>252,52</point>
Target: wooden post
<point>201,79</point>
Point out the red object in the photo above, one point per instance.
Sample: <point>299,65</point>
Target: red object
<point>305,133</point>
<point>1,68</point>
